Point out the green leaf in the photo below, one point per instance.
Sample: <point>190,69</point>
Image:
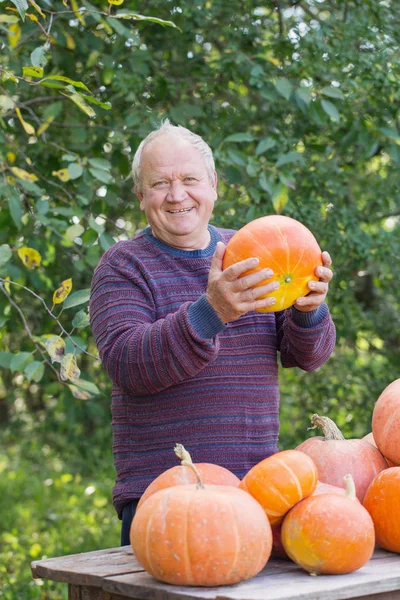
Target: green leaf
<point>330,110</point>
<point>304,94</point>
<point>34,371</point>
<point>87,386</point>
<point>20,361</point>
<point>264,145</point>
<point>38,57</point>
<point>79,297</point>
<point>80,101</point>
<point>101,175</point>
<point>265,184</point>
<point>105,105</point>
<point>333,92</point>
<point>75,170</point>
<point>390,132</point>
<point>74,231</point>
<point>106,241</point>
<point>22,7</point>
<point>9,19</point>
<point>290,157</point>
<point>95,226</point>
<point>76,84</point>
<point>81,319</point>
<point>237,157</point>
<point>5,360</point>
<point>32,71</point>
<point>280,198</point>
<point>240,137</point>
<point>136,17</point>
<point>5,254</point>
<point>69,157</point>
<point>14,205</point>
<point>100,163</point>
<point>284,87</point>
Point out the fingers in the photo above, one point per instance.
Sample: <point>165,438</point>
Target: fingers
<point>234,271</point>
<point>249,281</point>
<point>326,259</point>
<point>216,262</point>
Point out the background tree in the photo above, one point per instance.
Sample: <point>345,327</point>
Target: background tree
<point>300,102</point>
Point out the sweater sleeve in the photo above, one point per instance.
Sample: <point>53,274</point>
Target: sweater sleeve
<point>141,353</point>
<point>305,340</point>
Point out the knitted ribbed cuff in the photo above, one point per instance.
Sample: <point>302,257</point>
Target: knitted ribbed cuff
<point>309,319</point>
<point>204,319</point>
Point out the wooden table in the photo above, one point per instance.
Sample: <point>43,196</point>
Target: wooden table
<point>114,574</point>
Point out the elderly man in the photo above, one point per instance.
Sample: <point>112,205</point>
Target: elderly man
<point>190,359</point>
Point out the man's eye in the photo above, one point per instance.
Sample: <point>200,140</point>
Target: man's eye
<point>159,183</point>
<point>190,179</point>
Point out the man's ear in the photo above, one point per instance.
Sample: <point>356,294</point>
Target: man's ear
<point>139,194</point>
<point>215,183</point>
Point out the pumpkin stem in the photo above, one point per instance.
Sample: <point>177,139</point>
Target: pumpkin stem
<point>329,428</point>
<point>350,487</point>
<point>186,461</point>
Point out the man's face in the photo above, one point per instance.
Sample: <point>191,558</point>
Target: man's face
<point>176,193</point>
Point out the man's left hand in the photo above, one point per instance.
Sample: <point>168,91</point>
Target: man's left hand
<point>318,289</point>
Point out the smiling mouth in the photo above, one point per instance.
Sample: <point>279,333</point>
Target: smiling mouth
<point>180,211</point>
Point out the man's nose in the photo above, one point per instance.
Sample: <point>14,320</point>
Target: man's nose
<point>176,192</point>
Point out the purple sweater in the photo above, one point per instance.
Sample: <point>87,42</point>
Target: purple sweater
<point>179,374</point>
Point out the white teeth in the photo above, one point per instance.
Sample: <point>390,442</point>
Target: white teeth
<point>180,210</point>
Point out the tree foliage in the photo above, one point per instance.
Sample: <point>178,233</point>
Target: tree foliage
<point>299,100</point>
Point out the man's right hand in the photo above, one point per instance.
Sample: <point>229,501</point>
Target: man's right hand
<point>231,294</point>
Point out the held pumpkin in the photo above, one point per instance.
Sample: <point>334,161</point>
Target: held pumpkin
<point>386,422</point>
<point>329,533</point>
<point>284,245</point>
<point>335,456</point>
<point>382,501</point>
<point>280,481</point>
<point>182,475</point>
<point>201,535</point>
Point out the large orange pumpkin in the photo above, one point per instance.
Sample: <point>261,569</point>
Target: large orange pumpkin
<point>182,475</point>
<point>329,533</point>
<point>284,245</point>
<point>386,422</point>
<point>335,457</point>
<point>280,481</point>
<point>202,536</point>
<point>382,501</point>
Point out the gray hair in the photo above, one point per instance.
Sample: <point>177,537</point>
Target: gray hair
<point>167,128</point>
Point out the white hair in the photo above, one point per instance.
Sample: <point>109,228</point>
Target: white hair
<point>167,128</point>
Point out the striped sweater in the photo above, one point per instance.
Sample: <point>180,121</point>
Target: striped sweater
<point>179,374</point>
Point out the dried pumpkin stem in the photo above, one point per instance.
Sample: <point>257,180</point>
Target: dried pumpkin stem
<point>350,487</point>
<point>186,461</point>
<point>329,428</point>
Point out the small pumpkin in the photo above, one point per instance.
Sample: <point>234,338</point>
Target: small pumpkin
<point>284,245</point>
<point>328,533</point>
<point>182,475</point>
<point>386,422</point>
<point>382,501</point>
<point>201,535</point>
<point>280,481</point>
<point>336,456</point>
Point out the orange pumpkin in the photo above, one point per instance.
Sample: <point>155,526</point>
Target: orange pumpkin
<point>371,440</point>
<point>382,501</point>
<point>280,481</point>
<point>335,457</point>
<point>386,422</point>
<point>329,534</point>
<point>182,475</point>
<point>284,245</point>
<point>201,536</point>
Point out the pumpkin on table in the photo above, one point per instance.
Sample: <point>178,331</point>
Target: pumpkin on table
<point>201,535</point>
<point>329,533</point>
<point>284,245</point>
<point>336,456</point>
<point>382,501</point>
<point>386,422</point>
<point>280,481</point>
<point>182,475</point>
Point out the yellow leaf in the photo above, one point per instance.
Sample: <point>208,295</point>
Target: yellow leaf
<point>37,7</point>
<point>70,41</point>
<point>10,180</point>
<point>27,126</point>
<point>32,71</point>
<point>62,174</point>
<point>14,34</point>
<point>32,17</point>
<point>44,126</point>
<point>116,2</point>
<point>11,157</point>
<point>30,257</point>
<point>55,346</point>
<point>79,393</point>
<point>280,198</point>
<point>69,369</point>
<point>78,15</point>
<point>7,286</point>
<point>21,174</point>
<point>80,101</point>
<point>62,292</point>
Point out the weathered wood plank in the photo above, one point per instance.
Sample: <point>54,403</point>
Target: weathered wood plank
<point>279,580</point>
<point>88,568</point>
<point>83,592</point>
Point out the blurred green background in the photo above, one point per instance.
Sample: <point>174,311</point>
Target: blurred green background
<point>299,100</point>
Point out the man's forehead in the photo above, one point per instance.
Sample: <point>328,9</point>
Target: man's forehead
<point>170,151</point>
